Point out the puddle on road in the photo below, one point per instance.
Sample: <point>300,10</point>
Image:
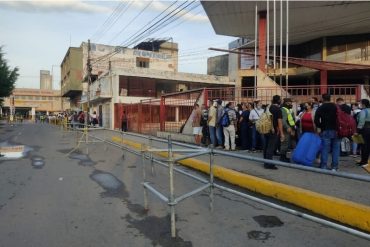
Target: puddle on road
<point>266,221</point>
<point>160,234</point>
<point>37,162</point>
<point>113,186</point>
<point>258,235</point>
<point>83,158</point>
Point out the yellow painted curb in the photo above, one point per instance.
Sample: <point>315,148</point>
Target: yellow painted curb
<point>347,212</point>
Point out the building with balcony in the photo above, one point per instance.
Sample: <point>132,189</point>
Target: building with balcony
<point>115,89</point>
<point>155,55</point>
<point>318,46</point>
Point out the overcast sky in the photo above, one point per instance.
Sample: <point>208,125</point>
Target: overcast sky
<point>35,35</point>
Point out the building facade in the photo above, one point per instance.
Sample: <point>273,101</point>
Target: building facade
<point>32,102</point>
<point>311,45</point>
<point>155,55</point>
<point>46,80</point>
<point>119,87</point>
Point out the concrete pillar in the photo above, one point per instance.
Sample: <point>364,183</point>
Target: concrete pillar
<point>323,81</point>
<point>177,114</point>
<point>262,40</point>
<point>33,113</point>
<point>324,50</point>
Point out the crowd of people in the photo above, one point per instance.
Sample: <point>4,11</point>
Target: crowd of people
<point>230,127</point>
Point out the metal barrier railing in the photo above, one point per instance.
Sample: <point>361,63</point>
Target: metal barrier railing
<point>147,152</point>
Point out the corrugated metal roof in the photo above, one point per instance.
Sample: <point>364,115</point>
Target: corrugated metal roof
<point>308,20</point>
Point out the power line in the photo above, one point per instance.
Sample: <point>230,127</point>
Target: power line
<point>132,20</point>
<point>163,23</point>
<point>164,11</point>
<point>114,12</point>
<point>122,11</point>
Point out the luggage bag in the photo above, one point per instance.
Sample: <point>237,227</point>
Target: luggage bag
<point>306,151</point>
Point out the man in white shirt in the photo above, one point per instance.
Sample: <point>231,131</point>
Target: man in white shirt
<point>254,115</point>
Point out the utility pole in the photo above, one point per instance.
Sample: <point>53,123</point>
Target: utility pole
<point>89,69</point>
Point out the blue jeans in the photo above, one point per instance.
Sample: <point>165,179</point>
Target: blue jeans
<point>212,135</point>
<point>220,135</point>
<point>257,136</point>
<point>330,141</point>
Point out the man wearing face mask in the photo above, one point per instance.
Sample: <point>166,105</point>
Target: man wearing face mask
<point>288,128</point>
<point>254,115</point>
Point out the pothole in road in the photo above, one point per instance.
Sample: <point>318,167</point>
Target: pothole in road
<point>83,158</point>
<point>113,186</point>
<point>160,234</point>
<point>37,162</point>
<point>266,221</point>
<point>258,235</point>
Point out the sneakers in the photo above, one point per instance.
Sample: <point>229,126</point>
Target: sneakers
<point>271,167</point>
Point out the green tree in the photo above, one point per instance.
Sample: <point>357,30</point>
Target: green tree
<point>8,77</point>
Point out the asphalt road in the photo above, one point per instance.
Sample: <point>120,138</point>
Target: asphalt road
<point>52,197</point>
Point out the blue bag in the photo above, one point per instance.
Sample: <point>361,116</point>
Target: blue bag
<point>306,151</point>
<point>225,121</point>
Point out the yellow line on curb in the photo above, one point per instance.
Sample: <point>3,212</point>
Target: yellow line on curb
<point>347,212</point>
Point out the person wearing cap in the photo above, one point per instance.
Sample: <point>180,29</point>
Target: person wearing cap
<point>288,128</point>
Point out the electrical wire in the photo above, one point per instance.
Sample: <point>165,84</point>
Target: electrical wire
<point>165,22</point>
<point>138,33</point>
<point>132,20</point>
<point>108,20</point>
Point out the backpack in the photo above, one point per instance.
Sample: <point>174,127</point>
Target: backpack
<point>345,146</point>
<point>264,123</point>
<point>346,124</point>
<point>204,118</point>
<point>225,121</point>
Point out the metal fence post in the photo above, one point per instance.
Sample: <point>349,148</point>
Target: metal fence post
<point>123,150</point>
<point>172,197</point>
<point>151,155</point>
<point>105,139</point>
<point>144,176</point>
<point>211,179</point>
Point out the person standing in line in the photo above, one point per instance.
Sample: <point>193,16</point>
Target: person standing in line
<point>197,129</point>
<point>288,121</point>
<point>205,138</point>
<point>229,131</point>
<point>315,103</point>
<point>307,119</point>
<point>326,123</point>
<point>244,126</point>
<point>272,138</point>
<point>219,128</point>
<point>363,128</point>
<point>124,122</point>
<point>254,115</point>
<point>94,119</point>
<point>212,117</point>
<point>355,113</point>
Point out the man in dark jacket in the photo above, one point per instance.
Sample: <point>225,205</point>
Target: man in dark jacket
<point>272,138</point>
<point>326,123</point>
